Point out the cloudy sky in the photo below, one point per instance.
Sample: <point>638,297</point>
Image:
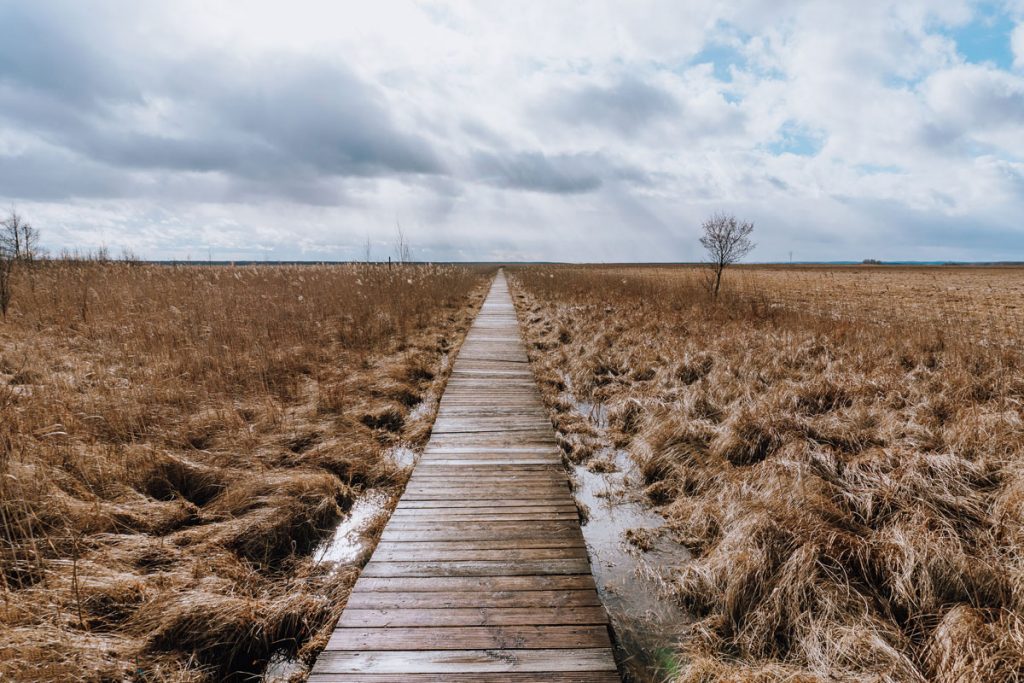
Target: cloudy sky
<point>578,131</point>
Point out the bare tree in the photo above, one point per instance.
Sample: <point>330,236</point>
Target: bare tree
<point>727,240</point>
<point>19,242</point>
<point>7,262</point>
<point>403,251</point>
<point>18,237</point>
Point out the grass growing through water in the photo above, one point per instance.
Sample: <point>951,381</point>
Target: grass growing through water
<point>175,441</point>
<point>849,473</point>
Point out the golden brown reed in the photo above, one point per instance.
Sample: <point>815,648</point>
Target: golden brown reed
<point>175,441</point>
<point>851,484</point>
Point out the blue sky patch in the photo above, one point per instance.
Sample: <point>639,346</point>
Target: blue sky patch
<point>986,38</point>
<point>796,139</point>
<point>877,169</point>
<point>722,57</point>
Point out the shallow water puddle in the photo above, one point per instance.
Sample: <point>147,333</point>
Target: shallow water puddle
<point>281,668</point>
<point>402,456</point>
<point>424,409</point>
<point>646,622</point>
<point>595,412</point>
<point>343,548</point>
<point>347,543</point>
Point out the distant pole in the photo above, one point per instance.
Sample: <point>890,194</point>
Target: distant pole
<point>791,258</point>
<point>389,263</point>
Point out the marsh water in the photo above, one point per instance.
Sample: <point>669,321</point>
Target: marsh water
<point>344,548</point>
<point>630,575</point>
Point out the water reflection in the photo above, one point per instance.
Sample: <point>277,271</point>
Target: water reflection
<point>629,556</point>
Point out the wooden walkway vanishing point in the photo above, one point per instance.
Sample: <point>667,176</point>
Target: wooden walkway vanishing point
<point>481,573</point>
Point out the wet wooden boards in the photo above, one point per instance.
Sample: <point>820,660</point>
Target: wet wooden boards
<point>481,573</point>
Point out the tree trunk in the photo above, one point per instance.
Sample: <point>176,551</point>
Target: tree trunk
<point>718,279</point>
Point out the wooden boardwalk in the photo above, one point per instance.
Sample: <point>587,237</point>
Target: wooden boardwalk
<point>481,573</point>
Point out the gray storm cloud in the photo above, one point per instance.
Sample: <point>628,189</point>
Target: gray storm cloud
<point>624,107</point>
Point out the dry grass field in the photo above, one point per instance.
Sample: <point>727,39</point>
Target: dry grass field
<point>842,449</point>
<point>175,442</point>
<point>984,303</point>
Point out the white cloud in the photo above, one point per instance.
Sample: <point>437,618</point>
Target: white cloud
<point>1017,45</point>
<point>534,129</point>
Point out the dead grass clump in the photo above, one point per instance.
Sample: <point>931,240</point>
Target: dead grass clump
<point>274,534</point>
<point>641,538</point>
<point>168,477</point>
<point>1008,509</point>
<point>752,434</point>
<point>626,418</point>
<point>603,463</point>
<point>44,653</point>
<point>681,450</point>
<point>692,370</point>
<point>919,569</point>
<point>820,395</point>
<point>885,485</point>
<point>26,521</point>
<point>710,667</point>
<point>578,448</point>
<point>202,429</point>
<point>388,418</point>
<point>111,600</point>
<point>779,585</point>
<point>223,632</point>
<point>271,518</point>
<point>398,390</point>
<point>972,644</point>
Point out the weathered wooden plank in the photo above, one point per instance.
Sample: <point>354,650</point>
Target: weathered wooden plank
<point>499,525</point>
<point>472,617</point>
<point>461,462</point>
<point>395,553</point>
<point>501,471</point>
<point>486,503</point>
<point>489,543</point>
<point>495,456</point>
<point>470,638</point>
<point>503,677</point>
<point>462,599</point>
<point>521,517</point>
<point>433,474</point>
<point>508,450</point>
<point>476,568</point>
<point>511,461</point>
<point>484,480</point>
<point>466,661</point>
<point>479,423</point>
<point>495,469</point>
<point>520,494</point>
<point>524,533</point>
<point>476,583</point>
<point>457,488</point>
<point>523,491</point>
<point>509,509</point>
